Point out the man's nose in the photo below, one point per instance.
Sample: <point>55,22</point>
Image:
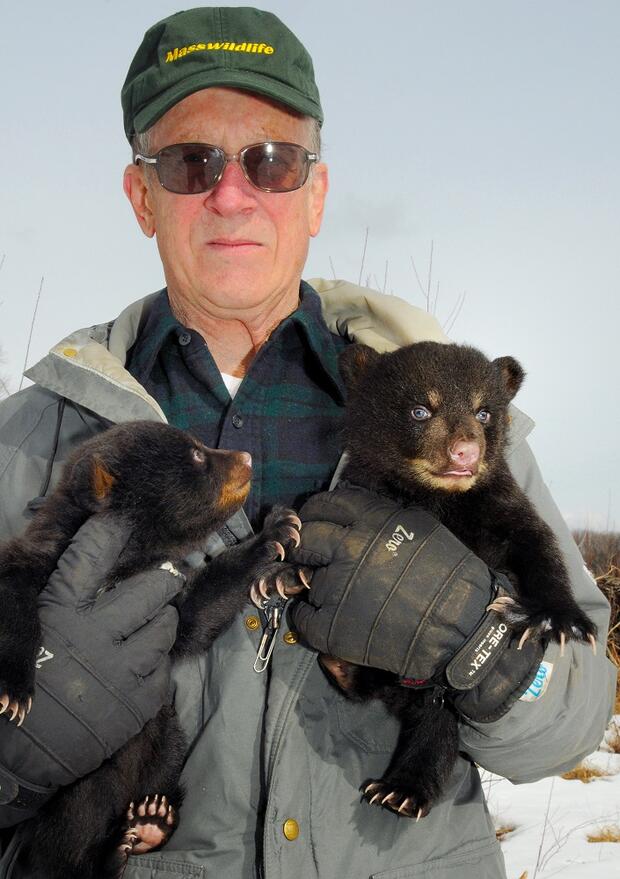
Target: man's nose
<point>233,193</point>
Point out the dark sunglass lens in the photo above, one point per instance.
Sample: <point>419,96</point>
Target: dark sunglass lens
<point>276,167</point>
<point>189,168</point>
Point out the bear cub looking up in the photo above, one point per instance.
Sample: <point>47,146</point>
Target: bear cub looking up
<point>427,425</point>
<point>170,492</point>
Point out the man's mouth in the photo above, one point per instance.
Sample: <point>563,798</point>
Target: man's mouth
<point>233,243</point>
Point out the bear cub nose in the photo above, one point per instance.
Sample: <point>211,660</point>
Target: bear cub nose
<point>464,453</point>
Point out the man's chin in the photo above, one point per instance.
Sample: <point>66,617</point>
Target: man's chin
<point>243,290</point>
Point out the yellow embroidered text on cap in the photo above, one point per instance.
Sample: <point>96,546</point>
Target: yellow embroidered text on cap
<point>260,48</point>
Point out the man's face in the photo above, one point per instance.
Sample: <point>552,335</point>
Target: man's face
<point>234,247</point>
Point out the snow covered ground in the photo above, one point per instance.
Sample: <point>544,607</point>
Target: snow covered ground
<point>552,819</point>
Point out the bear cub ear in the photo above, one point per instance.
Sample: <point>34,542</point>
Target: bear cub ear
<point>89,481</point>
<point>102,480</point>
<point>512,374</point>
<point>354,361</point>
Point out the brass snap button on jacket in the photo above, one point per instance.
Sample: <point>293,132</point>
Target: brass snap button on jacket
<point>291,638</point>
<point>290,829</point>
<point>252,623</point>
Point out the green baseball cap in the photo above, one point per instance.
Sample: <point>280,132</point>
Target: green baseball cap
<point>239,47</point>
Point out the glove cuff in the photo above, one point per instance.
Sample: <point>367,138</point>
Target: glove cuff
<point>482,650</point>
<point>510,677</point>
<point>489,672</point>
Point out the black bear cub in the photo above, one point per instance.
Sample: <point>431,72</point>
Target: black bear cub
<point>172,492</point>
<point>427,425</point>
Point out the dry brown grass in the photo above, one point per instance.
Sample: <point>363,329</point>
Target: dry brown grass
<point>585,773</point>
<point>610,833</point>
<point>600,549</point>
<point>601,552</point>
<point>503,831</point>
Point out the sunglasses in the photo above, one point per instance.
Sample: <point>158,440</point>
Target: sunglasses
<point>191,168</point>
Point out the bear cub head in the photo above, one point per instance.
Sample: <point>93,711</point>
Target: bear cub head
<point>427,418</point>
<point>166,484</point>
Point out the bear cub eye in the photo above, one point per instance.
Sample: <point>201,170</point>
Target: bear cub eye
<point>420,413</point>
<point>198,455</point>
<point>483,416</point>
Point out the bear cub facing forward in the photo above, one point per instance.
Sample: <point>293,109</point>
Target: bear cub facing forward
<point>427,425</point>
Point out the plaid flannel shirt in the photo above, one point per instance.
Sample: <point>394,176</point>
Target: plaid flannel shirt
<point>288,411</point>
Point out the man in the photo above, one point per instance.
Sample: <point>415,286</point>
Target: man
<point>242,353</point>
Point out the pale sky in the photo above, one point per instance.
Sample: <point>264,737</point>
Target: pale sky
<point>489,127</point>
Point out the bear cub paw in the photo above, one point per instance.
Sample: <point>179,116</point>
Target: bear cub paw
<point>274,577</point>
<point>148,825</point>
<point>561,623</point>
<point>16,684</point>
<point>408,804</point>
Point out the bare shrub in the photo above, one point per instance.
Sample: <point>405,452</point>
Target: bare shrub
<point>601,553</point>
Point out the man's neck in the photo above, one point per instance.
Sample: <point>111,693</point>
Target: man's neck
<point>234,338</point>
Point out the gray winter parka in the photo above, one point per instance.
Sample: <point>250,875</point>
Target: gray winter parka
<point>276,760</point>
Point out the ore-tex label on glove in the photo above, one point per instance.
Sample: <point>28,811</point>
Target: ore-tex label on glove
<point>479,653</point>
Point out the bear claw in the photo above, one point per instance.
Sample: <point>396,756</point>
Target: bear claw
<point>404,804</point>
<point>501,603</point>
<point>15,708</point>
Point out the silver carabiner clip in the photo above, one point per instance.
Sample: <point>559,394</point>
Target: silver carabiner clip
<point>268,640</point>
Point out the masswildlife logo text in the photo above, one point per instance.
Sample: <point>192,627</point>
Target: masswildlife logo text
<point>257,48</point>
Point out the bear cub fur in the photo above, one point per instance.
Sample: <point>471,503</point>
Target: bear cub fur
<point>171,492</point>
<point>427,424</point>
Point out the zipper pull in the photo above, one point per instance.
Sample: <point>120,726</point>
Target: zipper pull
<point>273,608</point>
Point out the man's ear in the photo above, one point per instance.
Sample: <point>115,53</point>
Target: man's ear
<point>512,374</point>
<point>138,193</point>
<point>319,184</point>
<point>355,361</point>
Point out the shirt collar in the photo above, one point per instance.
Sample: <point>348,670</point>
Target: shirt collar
<point>307,317</point>
<point>159,325</point>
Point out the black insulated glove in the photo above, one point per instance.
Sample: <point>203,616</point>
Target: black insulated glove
<point>102,670</point>
<point>394,589</point>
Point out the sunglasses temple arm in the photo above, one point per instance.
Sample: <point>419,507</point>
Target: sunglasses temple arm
<point>146,159</point>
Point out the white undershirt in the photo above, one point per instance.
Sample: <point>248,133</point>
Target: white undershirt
<point>232,383</point>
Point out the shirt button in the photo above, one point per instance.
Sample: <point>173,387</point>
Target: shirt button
<point>185,339</point>
<point>237,420</point>
<point>70,352</point>
<point>252,623</point>
<point>291,638</point>
<point>290,828</point>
